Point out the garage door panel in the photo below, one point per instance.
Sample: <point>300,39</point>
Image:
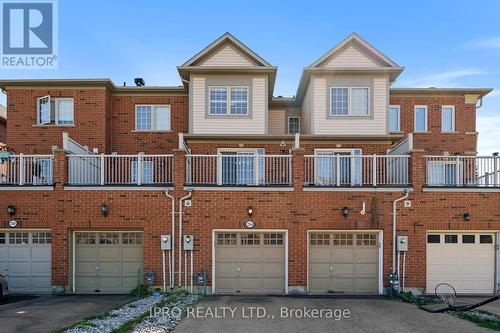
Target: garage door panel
<point>40,268</point>
<point>19,252</point>
<point>342,255</point>
<point>249,262</point>
<point>40,282</point>
<point>343,285</point>
<point>40,253</point>
<point>18,282</point>
<point>343,262</point>
<point>468,267</point>
<point>108,262</point>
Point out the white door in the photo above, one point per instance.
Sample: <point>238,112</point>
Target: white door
<point>465,260</point>
<point>25,258</point>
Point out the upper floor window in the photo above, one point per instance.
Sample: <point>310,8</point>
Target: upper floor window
<point>421,118</point>
<point>447,118</point>
<point>55,111</point>
<point>293,125</point>
<point>394,118</point>
<point>349,101</point>
<point>152,117</point>
<point>228,100</point>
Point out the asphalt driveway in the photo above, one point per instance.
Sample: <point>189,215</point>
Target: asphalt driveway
<point>47,313</point>
<point>365,315</point>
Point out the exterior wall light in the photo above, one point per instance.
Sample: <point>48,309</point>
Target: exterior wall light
<point>345,212</point>
<point>467,216</point>
<point>11,210</point>
<point>250,211</point>
<point>104,210</point>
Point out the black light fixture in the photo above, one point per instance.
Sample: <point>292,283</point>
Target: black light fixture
<point>104,210</point>
<point>467,216</point>
<point>345,212</point>
<point>11,210</point>
<point>250,211</point>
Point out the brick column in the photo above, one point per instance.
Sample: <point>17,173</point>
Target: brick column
<point>60,168</point>
<point>179,170</point>
<point>298,168</point>
<point>417,170</point>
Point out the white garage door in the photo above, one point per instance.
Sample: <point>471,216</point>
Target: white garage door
<point>464,260</point>
<point>25,258</point>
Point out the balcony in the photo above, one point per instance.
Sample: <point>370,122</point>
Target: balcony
<point>120,170</point>
<point>463,171</point>
<point>336,170</point>
<point>239,169</point>
<point>26,170</point>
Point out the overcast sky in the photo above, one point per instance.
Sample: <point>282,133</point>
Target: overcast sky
<point>441,43</point>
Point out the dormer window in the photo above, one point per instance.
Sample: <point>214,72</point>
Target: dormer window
<point>349,102</point>
<point>228,101</point>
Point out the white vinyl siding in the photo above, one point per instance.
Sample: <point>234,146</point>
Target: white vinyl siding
<point>350,57</point>
<point>55,111</point>
<point>152,117</point>
<point>373,124</point>
<point>448,118</point>
<point>394,118</point>
<point>277,122</point>
<point>228,56</point>
<point>420,116</point>
<point>202,122</point>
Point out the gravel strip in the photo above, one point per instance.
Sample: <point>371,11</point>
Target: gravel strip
<point>166,318</point>
<point>116,318</point>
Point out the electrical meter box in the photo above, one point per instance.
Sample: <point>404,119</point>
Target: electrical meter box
<point>166,242</point>
<point>402,243</point>
<point>188,243</point>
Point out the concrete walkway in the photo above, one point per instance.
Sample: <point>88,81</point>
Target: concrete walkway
<point>365,315</point>
<point>48,313</point>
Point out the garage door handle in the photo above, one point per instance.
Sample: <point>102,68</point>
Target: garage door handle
<point>97,268</point>
<point>331,268</point>
<point>238,269</point>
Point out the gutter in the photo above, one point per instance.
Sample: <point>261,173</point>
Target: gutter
<point>172,238</point>
<point>180,236</point>
<point>394,222</point>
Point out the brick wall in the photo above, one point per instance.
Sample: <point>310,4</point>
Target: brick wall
<point>126,140</point>
<point>463,140</point>
<point>25,136</point>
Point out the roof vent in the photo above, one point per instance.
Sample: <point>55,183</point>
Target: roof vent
<point>139,81</point>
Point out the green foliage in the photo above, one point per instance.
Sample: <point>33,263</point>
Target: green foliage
<point>481,318</point>
<point>141,291</point>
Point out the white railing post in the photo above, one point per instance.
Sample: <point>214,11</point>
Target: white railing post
<point>290,168</point>
<point>337,172</point>
<point>496,171</point>
<point>256,168</point>
<point>374,169</point>
<point>219,169</point>
<point>103,164</point>
<point>21,169</point>
<point>457,170</point>
<point>139,169</point>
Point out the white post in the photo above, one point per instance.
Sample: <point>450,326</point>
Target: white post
<point>139,169</point>
<point>65,141</point>
<point>181,141</point>
<point>21,169</point>
<point>256,168</point>
<point>164,272</point>
<point>191,275</point>
<point>103,164</point>
<point>457,170</point>
<point>296,143</point>
<point>337,164</point>
<point>290,169</point>
<point>374,170</point>
<point>219,169</point>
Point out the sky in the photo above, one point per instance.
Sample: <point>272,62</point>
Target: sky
<point>441,43</point>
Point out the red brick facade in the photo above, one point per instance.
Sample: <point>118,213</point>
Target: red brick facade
<point>106,121</point>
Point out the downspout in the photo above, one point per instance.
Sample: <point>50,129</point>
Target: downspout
<point>180,235</point>
<point>394,222</point>
<point>172,238</point>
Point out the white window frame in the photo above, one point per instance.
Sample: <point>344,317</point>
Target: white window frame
<point>398,107</point>
<point>426,121</point>
<point>349,103</point>
<point>153,118</point>
<point>228,101</point>
<point>56,110</point>
<point>452,107</point>
<point>288,124</point>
